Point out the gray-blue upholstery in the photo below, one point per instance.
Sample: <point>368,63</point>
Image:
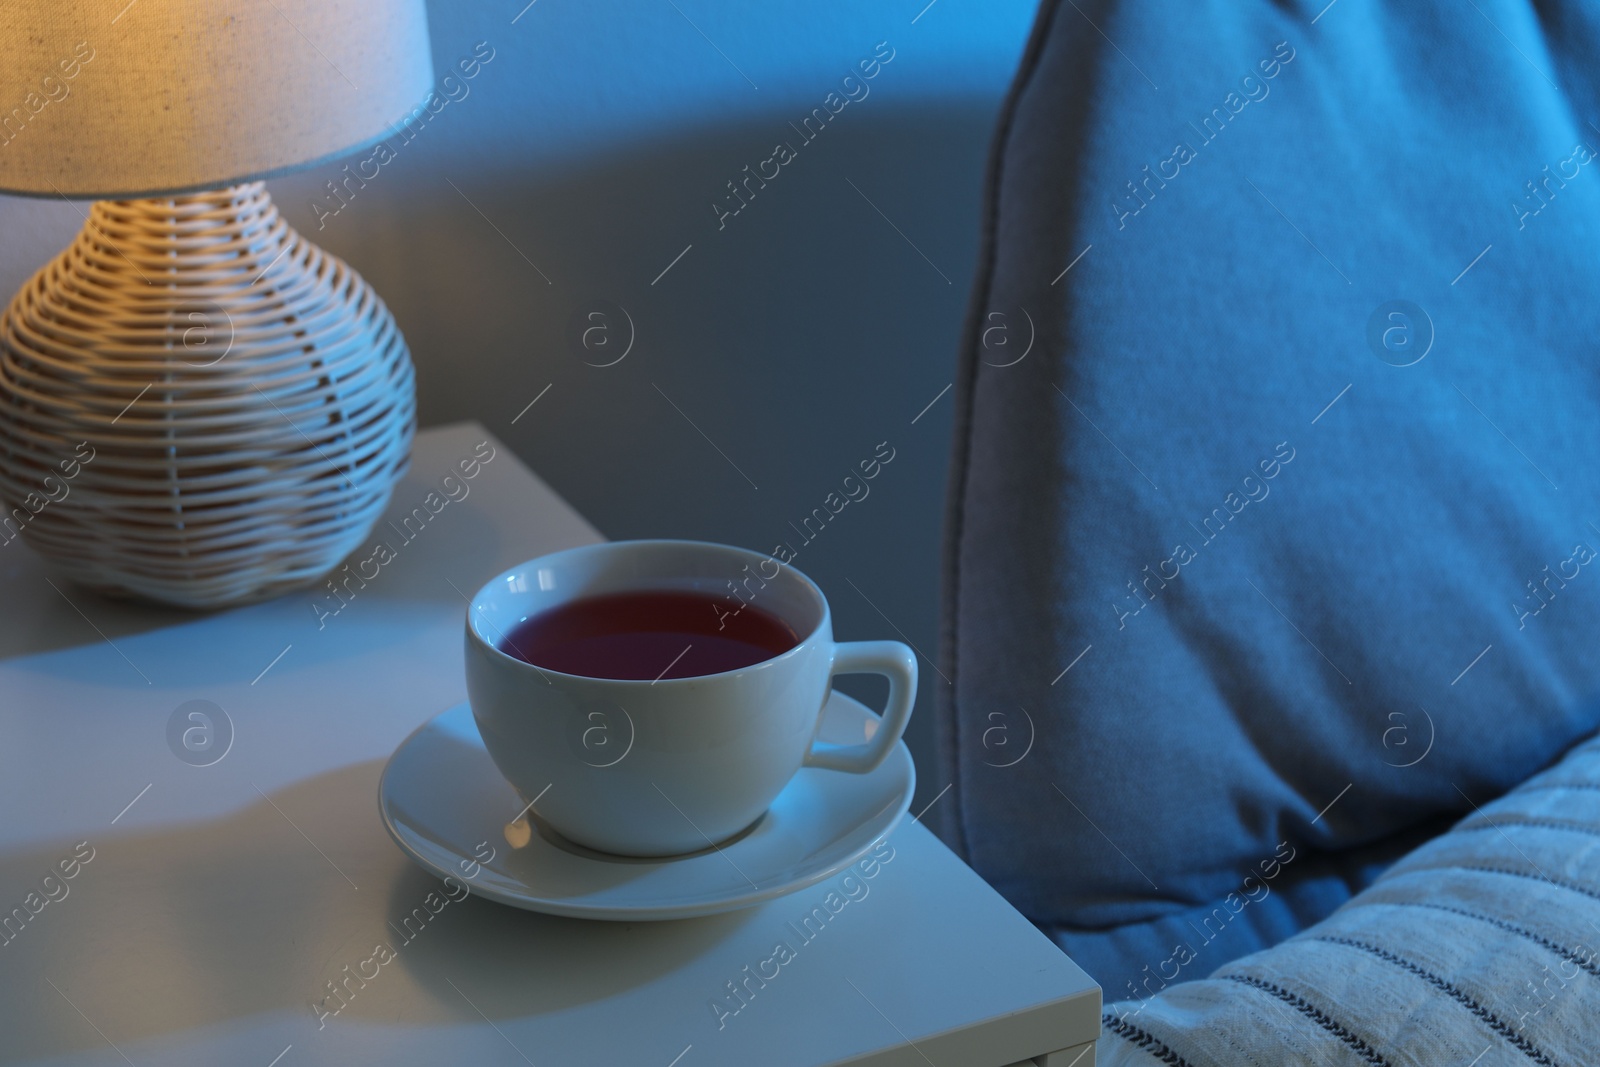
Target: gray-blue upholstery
<point>1274,495</point>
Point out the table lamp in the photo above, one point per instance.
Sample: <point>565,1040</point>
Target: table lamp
<point>198,406</point>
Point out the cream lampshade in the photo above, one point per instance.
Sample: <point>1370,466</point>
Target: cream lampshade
<point>197,405</point>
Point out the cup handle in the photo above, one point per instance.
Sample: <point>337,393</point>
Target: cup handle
<point>895,662</point>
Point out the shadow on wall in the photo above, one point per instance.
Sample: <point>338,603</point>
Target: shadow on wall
<point>676,372</point>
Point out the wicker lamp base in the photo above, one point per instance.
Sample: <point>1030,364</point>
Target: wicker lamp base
<point>198,406</point>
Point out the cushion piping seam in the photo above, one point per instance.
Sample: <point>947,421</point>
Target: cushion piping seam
<point>1543,942</point>
<point>1355,1042</point>
<point>966,373</point>
<point>1143,1040</point>
<point>1488,1018</point>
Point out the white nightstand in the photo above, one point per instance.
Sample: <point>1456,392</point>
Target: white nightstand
<point>219,901</point>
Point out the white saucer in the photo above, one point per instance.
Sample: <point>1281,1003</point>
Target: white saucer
<point>447,807</point>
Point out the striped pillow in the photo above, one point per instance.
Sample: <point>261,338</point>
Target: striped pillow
<point>1481,947</point>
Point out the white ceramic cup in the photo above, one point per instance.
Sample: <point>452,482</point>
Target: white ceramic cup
<point>659,768</point>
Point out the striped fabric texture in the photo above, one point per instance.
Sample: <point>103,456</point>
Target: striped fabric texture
<point>1482,947</point>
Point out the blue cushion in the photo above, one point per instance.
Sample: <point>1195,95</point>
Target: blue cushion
<point>1482,947</point>
<point>1275,497</point>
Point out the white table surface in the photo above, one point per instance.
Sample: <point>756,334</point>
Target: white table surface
<point>220,900</point>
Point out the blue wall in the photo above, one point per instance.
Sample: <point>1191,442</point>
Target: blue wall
<point>796,335</point>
